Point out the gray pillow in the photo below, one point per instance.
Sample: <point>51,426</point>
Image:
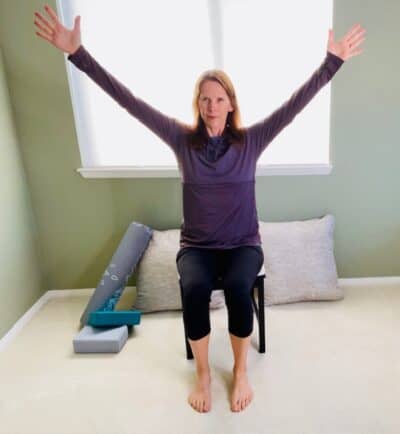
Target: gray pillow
<point>299,261</point>
<point>157,283</point>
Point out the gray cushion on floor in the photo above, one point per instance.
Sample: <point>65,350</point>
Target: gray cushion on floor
<point>99,340</point>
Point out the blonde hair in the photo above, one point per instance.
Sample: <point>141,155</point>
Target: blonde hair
<point>233,131</point>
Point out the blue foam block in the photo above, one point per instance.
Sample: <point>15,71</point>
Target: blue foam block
<point>114,318</point>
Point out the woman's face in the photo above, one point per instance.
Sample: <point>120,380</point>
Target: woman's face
<point>214,105</point>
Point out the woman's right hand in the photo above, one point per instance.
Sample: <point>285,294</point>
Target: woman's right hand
<point>58,35</point>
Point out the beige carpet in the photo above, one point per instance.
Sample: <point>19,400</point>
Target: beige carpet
<point>330,368</point>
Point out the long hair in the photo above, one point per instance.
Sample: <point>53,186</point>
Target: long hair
<point>233,130</point>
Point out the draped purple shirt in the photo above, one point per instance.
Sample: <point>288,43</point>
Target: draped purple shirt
<point>218,181</point>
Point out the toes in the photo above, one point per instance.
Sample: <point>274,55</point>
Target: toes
<point>206,406</point>
<point>200,405</point>
<point>240,404</point>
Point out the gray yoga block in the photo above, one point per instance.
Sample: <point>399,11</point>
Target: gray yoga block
<point>100,340</point>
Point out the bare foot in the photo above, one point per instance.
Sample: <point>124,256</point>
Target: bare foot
<point>242,393</point>
<point>200,397</point>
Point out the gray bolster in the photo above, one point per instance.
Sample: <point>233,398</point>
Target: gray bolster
<point>119,270</point>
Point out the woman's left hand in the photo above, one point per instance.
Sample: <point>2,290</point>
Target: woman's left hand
<point>347,46</point>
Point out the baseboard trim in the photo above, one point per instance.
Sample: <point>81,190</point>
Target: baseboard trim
<point>25,318</point>
<point>64,293</point>
<point>31,312</point>
<point>380,280</point>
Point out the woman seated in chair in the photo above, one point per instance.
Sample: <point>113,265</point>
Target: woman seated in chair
<point>217,158</point>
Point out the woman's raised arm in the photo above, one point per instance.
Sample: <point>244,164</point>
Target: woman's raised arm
<point>264,131</point>
<point>69,41</point>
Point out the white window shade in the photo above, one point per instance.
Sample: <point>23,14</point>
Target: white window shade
<point>159,48</point>
<point>270,49</point>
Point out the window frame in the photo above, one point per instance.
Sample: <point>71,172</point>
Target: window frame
<point>78,91</point>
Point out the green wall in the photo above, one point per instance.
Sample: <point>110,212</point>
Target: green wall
<point>80,221</point>
<point>20,272</point>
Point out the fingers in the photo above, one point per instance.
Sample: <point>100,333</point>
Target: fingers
<point>49,27</point>
<point>356,42</point>
<point>357,37</point>
<point>52,14</point>
<point>44,29</point>
<point>354,37</point>
<point>354,32</point>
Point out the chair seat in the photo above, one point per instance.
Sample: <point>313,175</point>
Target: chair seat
<point>260,273</point>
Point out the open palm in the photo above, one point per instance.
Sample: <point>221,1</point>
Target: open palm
<point>58,35</point>
<point>347,46</point>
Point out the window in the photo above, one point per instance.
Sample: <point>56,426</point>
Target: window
<point>159,48</point>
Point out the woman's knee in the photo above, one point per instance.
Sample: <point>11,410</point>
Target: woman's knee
<point>239,286</point>
<point>196,290</point>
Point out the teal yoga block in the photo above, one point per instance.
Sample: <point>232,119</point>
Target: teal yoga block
<point>101,318</point>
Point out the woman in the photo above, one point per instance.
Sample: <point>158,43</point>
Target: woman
<point>217,159</point>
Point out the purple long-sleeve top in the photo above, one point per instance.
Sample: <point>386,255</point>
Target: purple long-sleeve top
<point>218,182</point>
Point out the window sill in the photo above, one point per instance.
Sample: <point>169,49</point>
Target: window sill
<point>173,172</point>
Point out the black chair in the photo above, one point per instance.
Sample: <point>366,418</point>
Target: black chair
<point>259,310</point>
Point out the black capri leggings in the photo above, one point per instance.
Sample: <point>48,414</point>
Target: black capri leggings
<point>199,268</point>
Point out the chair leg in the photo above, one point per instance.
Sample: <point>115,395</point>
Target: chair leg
<point>189,353</point>
<point>261,314</point>
<point>259,310</point>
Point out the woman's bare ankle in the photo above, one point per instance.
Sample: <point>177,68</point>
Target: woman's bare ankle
<point>239,372</point>
<point>203,374</point>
